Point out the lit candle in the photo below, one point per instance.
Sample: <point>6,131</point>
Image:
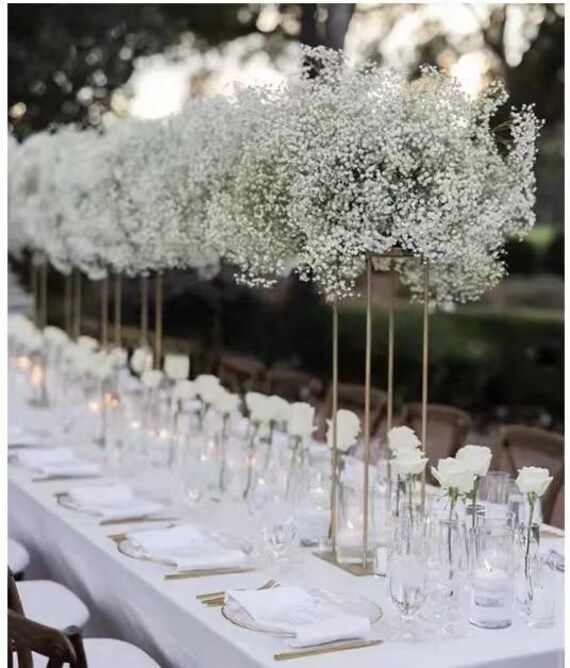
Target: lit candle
<point>37,375</point>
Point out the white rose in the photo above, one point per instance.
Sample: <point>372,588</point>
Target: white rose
<point>33,341</point>
<point>152,378</point>
<point>85,361</point>
<point>402,437</point>
<point>408,461</point>
<point>176,367</point>
<point>278,408</point>
<point>226,402</point>
<point>184,390</point>
<point>88,343</point>
<point>300,419</point>
<point>55,337</point>
<point>141,360</point>
<point>347,430</point>
<point>451,474</point>
<point>475,458</point>
<point>533,480</point>
<point>210,393</point>
<point>205,382</point>
<point>256,405</point>
<point>119,357</point>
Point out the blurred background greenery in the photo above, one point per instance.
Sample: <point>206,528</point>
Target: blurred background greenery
<point>501,359</point>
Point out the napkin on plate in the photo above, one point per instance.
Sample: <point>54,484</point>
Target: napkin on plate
<point>22,437</point>
<point>112,502</point>
<point>186,548</point>
<point>292,609</point>
<point>74,468</point>
<point>33,458</point>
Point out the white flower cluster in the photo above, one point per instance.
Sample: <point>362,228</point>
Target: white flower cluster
<point>316,175</point>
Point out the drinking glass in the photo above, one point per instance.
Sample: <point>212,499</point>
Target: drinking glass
<point>495,488</point>
<point>492,576</point>
<point>406,579</point>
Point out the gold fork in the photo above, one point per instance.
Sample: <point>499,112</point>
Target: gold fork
<point>217,598</point>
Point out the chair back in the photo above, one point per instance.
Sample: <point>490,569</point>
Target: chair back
<point>292,384</point>
<point>447,429</point>
<point>241,374</point>
<point>518,445</point>
<point>26,636</point>
<point>556,518</point>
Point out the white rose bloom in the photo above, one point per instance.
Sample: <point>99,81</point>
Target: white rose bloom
<point>152,378</point>
<point>88,343</point>
<point>533,480</point>
<point>141,360</point>
<point>176,367</point>
<point>278,408</point>
<point>453,474</point>
<point>402,437</point>
<point>120,357</point>
<point>347,430</point>
<point>184,390</point>
<point>226,402</point>
<point>475,458</point>
<point>408,461</point>
<point>33,341</point>
<point>206,380</point>
<point>257,407</point>
<point>55,337</point>
<point>300,419</point>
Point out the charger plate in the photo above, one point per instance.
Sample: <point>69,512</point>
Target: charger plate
<point>338,600</point>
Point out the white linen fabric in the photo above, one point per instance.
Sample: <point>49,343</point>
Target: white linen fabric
<point>112,502</point>
<point>294,610</point>
<point>34,458</point>
<point>131,599</point>
<point>18,556</point>
<point>52,604</point>
<point>20,436</point>
<point>186,548</point>
<point>97,495</point>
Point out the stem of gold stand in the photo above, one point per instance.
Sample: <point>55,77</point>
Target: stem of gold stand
<point>68,304</point>
<point>144,310</point>
<point>334,499</point>
<point>105,313</point>
<point>117,304</point>
<point>76,303</point>
<point>390,407</point>
<point>158,302</point>
<point>425,368</point>
<point>43,292</point>
<point>34,287</point>
<point>367,383</point>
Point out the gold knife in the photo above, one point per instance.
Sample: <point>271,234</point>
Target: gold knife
<point>325,649</point>
<point>204,573</point>
<point>135,520</point>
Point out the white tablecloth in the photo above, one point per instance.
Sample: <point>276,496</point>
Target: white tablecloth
<point>131,600</point>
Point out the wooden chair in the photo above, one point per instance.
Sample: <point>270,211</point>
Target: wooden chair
<point>293,384</point>
<point>240,373</point>
<point>447,429</point>
<point>516,446</point>
<point>351,397</point>
<point>63,647</point>
<point>556,518</point>
<point>18,558</point>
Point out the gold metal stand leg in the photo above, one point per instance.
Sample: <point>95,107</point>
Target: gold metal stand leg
<point>43,310</point>
<point>105,313</point>
<point>68,304</point>
<point>390,406</point>
<point>158,303</point>
<point>77,304</point>
<point>367,383</point>
<point>334,491</point>
<point>425,379</point>
<point>34,288</point>
<point>144,311</point>
<point>118,298</point>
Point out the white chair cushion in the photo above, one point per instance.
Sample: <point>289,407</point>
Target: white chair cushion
<point>106,653</point>
<point>52,604</point>
<point>18,556</point>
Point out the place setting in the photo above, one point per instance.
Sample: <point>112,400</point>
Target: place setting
<point>53,463</point>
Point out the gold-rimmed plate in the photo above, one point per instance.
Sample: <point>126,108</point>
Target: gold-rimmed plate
<point>333,601</point>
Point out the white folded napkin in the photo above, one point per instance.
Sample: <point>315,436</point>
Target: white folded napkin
<point>101,495</point>
<point>34,458</point>
<point>186,548</point>
<point>67,469</point>
<point>19,436</point>
<point>294,610</point>
<point>112,502</point>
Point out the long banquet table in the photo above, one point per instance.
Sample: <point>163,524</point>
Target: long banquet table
<point>130,599</point>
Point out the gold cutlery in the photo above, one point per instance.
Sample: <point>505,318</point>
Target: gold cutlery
<point>66,477</point>
<point>325,649</point>
<point>135,520</point>
<point>204,573</point>
<point>217,598</point>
